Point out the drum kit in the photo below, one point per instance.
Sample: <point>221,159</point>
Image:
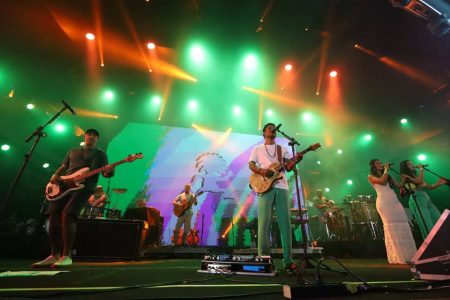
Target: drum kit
<point>102,210</point>
<point>358,219</point>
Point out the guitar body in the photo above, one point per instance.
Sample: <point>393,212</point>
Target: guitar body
<point>261,184</point>
<point>180,238</point>
<point>56,191</point>
<point>179,210</point>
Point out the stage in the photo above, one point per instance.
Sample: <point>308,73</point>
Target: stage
<point>178,278</point>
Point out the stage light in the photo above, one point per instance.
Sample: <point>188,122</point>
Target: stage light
<point>46,165</point>
<point>339,151</point>
<point>5,147</point>
<point>236,110</point>
<point>60,128</point>
<point>269,113</point>
<point>327,190</point>
<point>422,157</point>
<point>193,104</point>
<point>319,162</point>
<point>82,144</point>
<point>151,46</point>
<point>368,137</point>
<point>349,182</point>
<point>197,53</point>
<point>108,95</point>
<point>90,36</point>
<point>30,105</point>
<point>288,67</point>
<point>333,74</point>
<point>404,121</point>
<point>307,117</point>
<point>156,100</point>
<point>250,61</point>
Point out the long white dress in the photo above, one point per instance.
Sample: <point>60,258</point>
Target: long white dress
<point>400,245</point>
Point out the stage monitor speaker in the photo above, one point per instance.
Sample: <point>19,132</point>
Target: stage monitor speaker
<point>432,260</point>
<point>109,239</point>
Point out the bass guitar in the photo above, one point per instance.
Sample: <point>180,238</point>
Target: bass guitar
<point>73,182</point>
<point>262,184</point>
<point>180,209</point>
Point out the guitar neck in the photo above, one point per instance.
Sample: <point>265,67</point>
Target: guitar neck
<point>283,165</point>
<point>96,171</point>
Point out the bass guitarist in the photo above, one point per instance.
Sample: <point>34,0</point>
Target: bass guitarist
<point>183,203</point>
<point>261,157</point>
<point>62,213</point>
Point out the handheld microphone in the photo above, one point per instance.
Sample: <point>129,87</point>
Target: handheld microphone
<point>421,166</point>
<point>67,105</point>
<point>276,128</point>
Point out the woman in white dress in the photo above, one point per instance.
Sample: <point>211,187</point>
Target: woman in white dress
<point>400,245</point>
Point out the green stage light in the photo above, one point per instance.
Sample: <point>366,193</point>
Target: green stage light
<point>349,182</point>
<point>307,117</point>
<point>46,165</point>
<point>236,110</point>
<point>404,121</point>
<point>319,162</point>
<point>156,100</point>
<point>5,147</point>
<point>339,151</point>
<point>422,157</point>
<point>108,95</point>
<point>327,190</point>
<point>30,106</point>
<point>250,62</point>
<point>197,53</point>
<point>269,113</point>
<point>82,144</point>
<point>60,128</point>
<point>193,104</point>
<point>368,137</point>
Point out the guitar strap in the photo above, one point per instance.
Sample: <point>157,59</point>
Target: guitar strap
<point>279,153</point>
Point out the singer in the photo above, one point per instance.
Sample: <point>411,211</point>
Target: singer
<point>424,211</point>
<point>261,157</point>
<point>62,213</point>
<point>398,239</point>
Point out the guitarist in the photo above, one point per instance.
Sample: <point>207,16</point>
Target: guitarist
<point>261,157</point>
<point>185,199</point>
<point>62,213</point>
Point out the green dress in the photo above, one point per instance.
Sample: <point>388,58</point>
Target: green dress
<point>430,214</point>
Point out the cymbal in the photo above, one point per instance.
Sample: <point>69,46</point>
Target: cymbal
<point>119,190</point>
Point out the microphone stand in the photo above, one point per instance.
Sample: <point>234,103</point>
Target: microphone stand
<point>446,179</point>
<point>38,133</point>
<point>305,263</point>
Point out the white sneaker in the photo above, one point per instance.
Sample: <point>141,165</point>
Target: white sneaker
<point>50,260</point>
<point>64,261</point>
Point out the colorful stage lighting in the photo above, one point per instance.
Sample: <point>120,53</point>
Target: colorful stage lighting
<point>288,67</point>
<point>151,46</point>
<point>90,36</point>
<point>5,147</point>
<point>333,74</point>
<point>30,106</point>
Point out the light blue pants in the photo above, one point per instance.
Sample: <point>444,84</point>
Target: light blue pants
<point>279,198</point>
<point>186,221</point>
<point>429,212</point>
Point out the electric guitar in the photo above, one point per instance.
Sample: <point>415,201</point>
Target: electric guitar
<point>179,210</point>
<point>73,182</point>
<point>193,238</point>
<point>262,184</point>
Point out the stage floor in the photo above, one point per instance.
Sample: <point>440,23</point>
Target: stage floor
<point>178,279</point>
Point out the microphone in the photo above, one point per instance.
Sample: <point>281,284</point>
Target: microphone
<point>67,105</point>
<point>276,128</point>
<point>417,167</point>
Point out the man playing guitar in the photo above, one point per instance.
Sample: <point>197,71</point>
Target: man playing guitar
<point>63,212</point>
<point>183,209</point>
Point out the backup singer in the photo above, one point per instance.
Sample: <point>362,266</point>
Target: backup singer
<point>400,245</point>
<point>422,208</point>
<point>261,157</point>
<point>62,213</point>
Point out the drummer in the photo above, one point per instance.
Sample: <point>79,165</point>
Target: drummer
<point>97,199</point>
<point>323,205</point>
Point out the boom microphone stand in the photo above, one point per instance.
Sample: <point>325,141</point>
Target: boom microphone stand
<point>305,260</point>
<point>446,179</point>
<point>37,134</point>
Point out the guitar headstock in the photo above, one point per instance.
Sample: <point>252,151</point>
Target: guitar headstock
<point>133,157</point>
<point>314,147</point>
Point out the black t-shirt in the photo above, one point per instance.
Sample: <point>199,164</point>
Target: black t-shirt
<point>81,157</point>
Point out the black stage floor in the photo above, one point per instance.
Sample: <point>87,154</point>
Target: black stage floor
<point>179,279</point>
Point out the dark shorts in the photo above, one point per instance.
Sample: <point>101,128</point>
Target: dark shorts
<point>70,204</point>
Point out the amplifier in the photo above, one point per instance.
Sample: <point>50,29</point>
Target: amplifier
<point>109,239</point>
<point>238,264</point>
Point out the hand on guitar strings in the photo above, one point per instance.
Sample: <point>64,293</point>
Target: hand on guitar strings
<point>265,172</point>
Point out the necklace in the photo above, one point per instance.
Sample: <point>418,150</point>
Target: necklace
<point>267,151</point>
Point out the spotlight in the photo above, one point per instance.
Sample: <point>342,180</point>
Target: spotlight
<point>5,147</point>
<point>288,67</point>
<point>151,46</point>
<point>333,74</point>
<point>46,165</point>
<point>404,121</point>
<point>30,106</point>
<point>90,36</point>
